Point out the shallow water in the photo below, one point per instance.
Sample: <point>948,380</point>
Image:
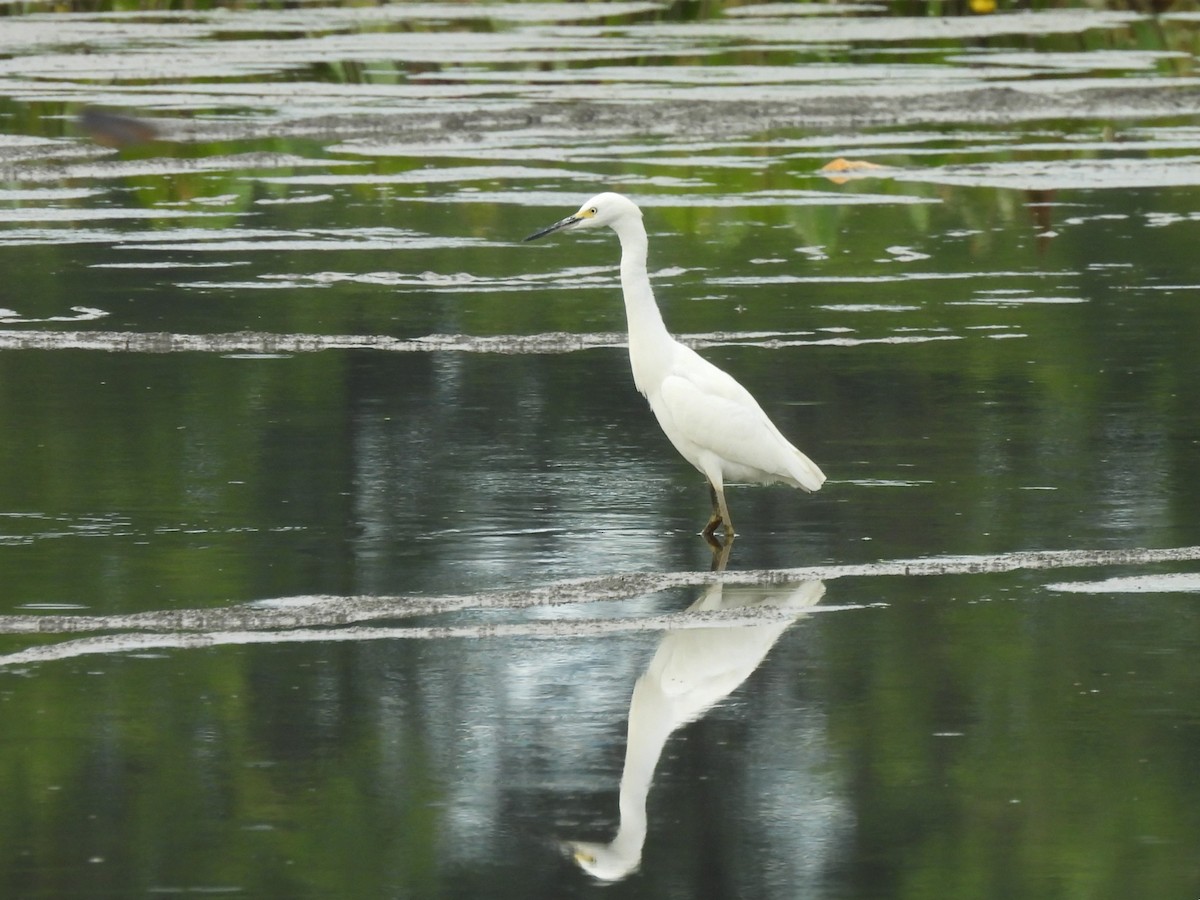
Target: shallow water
<point>339,556</point>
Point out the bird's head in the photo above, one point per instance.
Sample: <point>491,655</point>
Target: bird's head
<point>603,209</point>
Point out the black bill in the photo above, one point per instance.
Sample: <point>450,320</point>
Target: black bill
<point>569,220</point>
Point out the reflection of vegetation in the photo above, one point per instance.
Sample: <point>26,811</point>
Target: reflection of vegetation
<point>200,480</point>
<point>137,481</point>
<point>1015,756</point>
<point>82,815</point>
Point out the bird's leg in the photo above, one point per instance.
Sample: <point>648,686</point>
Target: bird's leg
<point>724,510</point>
<point>720,515</point>
<point>715,520</point>
<point>720,512</point>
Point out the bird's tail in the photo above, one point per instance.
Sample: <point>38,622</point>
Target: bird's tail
<point>806,473</point>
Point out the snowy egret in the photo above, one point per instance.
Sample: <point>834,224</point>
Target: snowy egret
<point>711,420</point>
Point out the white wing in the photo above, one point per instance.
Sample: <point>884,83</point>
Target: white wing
<point>707,414</point>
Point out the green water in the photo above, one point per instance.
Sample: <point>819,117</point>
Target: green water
<point>294,429</point>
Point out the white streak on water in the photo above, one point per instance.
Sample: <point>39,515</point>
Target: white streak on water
<point>1064,174</point>
<point>877,279</point>
<point>547,342</point>
<point>81,314</point>
<point>1181,582</point>
<point>326,610</point>
<point>786,198</point>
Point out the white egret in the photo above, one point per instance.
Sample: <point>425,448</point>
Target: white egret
<point>711,420</point>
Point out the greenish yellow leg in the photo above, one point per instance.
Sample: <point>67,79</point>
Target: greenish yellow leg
<point>720,513</point>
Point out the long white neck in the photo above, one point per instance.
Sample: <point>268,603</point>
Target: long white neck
<point>649,341</point>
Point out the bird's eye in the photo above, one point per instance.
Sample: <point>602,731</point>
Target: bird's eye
<point>592,210</point>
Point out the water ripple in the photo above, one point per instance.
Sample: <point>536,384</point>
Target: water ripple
<point>259,343</point>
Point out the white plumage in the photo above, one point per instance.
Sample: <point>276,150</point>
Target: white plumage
<point>713,421</point>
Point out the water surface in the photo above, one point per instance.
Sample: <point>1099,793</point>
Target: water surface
<point>339,556</point>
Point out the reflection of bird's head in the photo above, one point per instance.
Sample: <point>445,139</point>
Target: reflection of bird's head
<point>601,861</point>
<point>603,209</point>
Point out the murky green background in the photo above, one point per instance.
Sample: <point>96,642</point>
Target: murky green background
<point>285,361</point>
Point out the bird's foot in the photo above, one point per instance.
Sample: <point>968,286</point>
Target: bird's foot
<point>714,523</point>
<point>718,521</point>
<point>711,528</point>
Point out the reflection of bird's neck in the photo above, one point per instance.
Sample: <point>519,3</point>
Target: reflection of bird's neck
<point>649,341</point>
<point>650,724</point>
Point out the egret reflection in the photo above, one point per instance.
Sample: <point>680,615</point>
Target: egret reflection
<point>692,670</point>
